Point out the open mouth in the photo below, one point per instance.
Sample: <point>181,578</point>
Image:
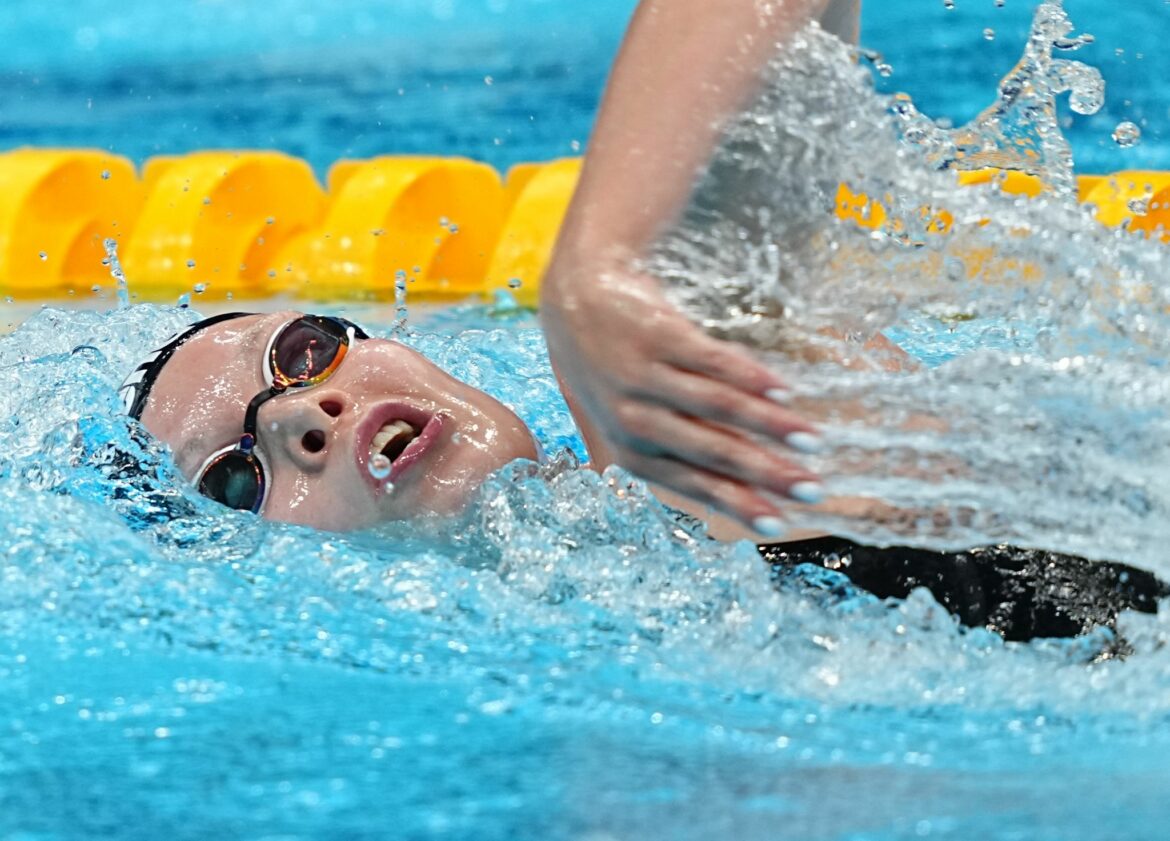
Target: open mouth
<point>392,440</point>
<point>403,438</point>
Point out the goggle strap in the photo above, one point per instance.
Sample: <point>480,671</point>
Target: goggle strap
<point>254,410</point>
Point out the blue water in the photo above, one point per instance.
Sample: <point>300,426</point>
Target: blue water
<point>560,662</point>
<point>380,76</point>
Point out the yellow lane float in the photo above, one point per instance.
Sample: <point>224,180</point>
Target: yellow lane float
<point>432,222</point>
<point>1139,198</point>
<point>218,219</point>
<point>56,209</point>
<point>257,223</point>
<point>537,196</point>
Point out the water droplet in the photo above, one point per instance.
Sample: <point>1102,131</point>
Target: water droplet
<point>948,4</point>
<point>44,256</point>
<point>184,300</point>
<point>190,264</point>
<point>443,222</point>
<point>1127,134</point>
<point>515,283</point>
<point>270,220</point>
<point>456,438</point>
<point>200,288</point>
<point>207,200</point>
<point>989,34</point>
<point>388,487</point>
<point>110,245</point>
<point>884,70</point>
<point>1139,207</point>
<point>380,467</point>
<point>488,80</point>
<point>105,175</point>
<point>575,145</point>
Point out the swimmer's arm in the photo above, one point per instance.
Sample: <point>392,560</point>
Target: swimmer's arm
<point>685,67</point>
<point>649,389</point>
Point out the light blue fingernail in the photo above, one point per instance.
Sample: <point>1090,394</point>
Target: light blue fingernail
<point>769,526</point>
<point>810,493</point>
<point>778,395</point>
<point>805,442</point>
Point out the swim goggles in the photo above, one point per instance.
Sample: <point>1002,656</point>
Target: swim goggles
<point>301,354</point>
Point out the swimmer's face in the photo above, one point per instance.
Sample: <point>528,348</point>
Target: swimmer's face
<point>316,444</point>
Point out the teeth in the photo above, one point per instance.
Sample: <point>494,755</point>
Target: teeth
<point>398,432</point>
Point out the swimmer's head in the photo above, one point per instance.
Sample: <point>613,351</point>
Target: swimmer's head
<point>306,420</point>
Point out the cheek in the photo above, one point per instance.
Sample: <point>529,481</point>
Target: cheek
<point>323,500</point>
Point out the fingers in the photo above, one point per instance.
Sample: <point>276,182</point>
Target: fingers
<point>717,402</point>
<point>720,493</point>
<point>724,361</point>
<point>663,432</point>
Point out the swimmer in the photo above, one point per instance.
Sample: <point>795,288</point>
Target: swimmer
<point>305,419</point>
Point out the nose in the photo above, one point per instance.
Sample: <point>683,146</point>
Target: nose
<point>301,425</point>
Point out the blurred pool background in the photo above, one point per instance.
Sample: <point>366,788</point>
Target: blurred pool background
<point>502,81</point>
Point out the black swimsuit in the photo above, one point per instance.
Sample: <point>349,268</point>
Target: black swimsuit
<point>1019,593</point>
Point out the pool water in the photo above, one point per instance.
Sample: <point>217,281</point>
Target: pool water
<point>502,81</point>
<point>561,661</point>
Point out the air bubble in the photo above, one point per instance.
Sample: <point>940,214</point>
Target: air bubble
<point>1127,134</point>
<point>380,467</point>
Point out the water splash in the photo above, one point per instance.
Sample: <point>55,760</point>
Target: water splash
<point>1020,130</point>
<point>123,291</point>
<point>1033,404</point>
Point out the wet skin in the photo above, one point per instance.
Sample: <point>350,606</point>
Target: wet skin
<point>315,442</point>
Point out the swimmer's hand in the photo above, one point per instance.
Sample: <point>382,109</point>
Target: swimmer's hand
<point>656,395</point>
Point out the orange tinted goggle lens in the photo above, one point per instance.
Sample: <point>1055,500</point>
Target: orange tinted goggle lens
<point>307,351</point>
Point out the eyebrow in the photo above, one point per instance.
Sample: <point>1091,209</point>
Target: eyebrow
<point>251,344</point>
